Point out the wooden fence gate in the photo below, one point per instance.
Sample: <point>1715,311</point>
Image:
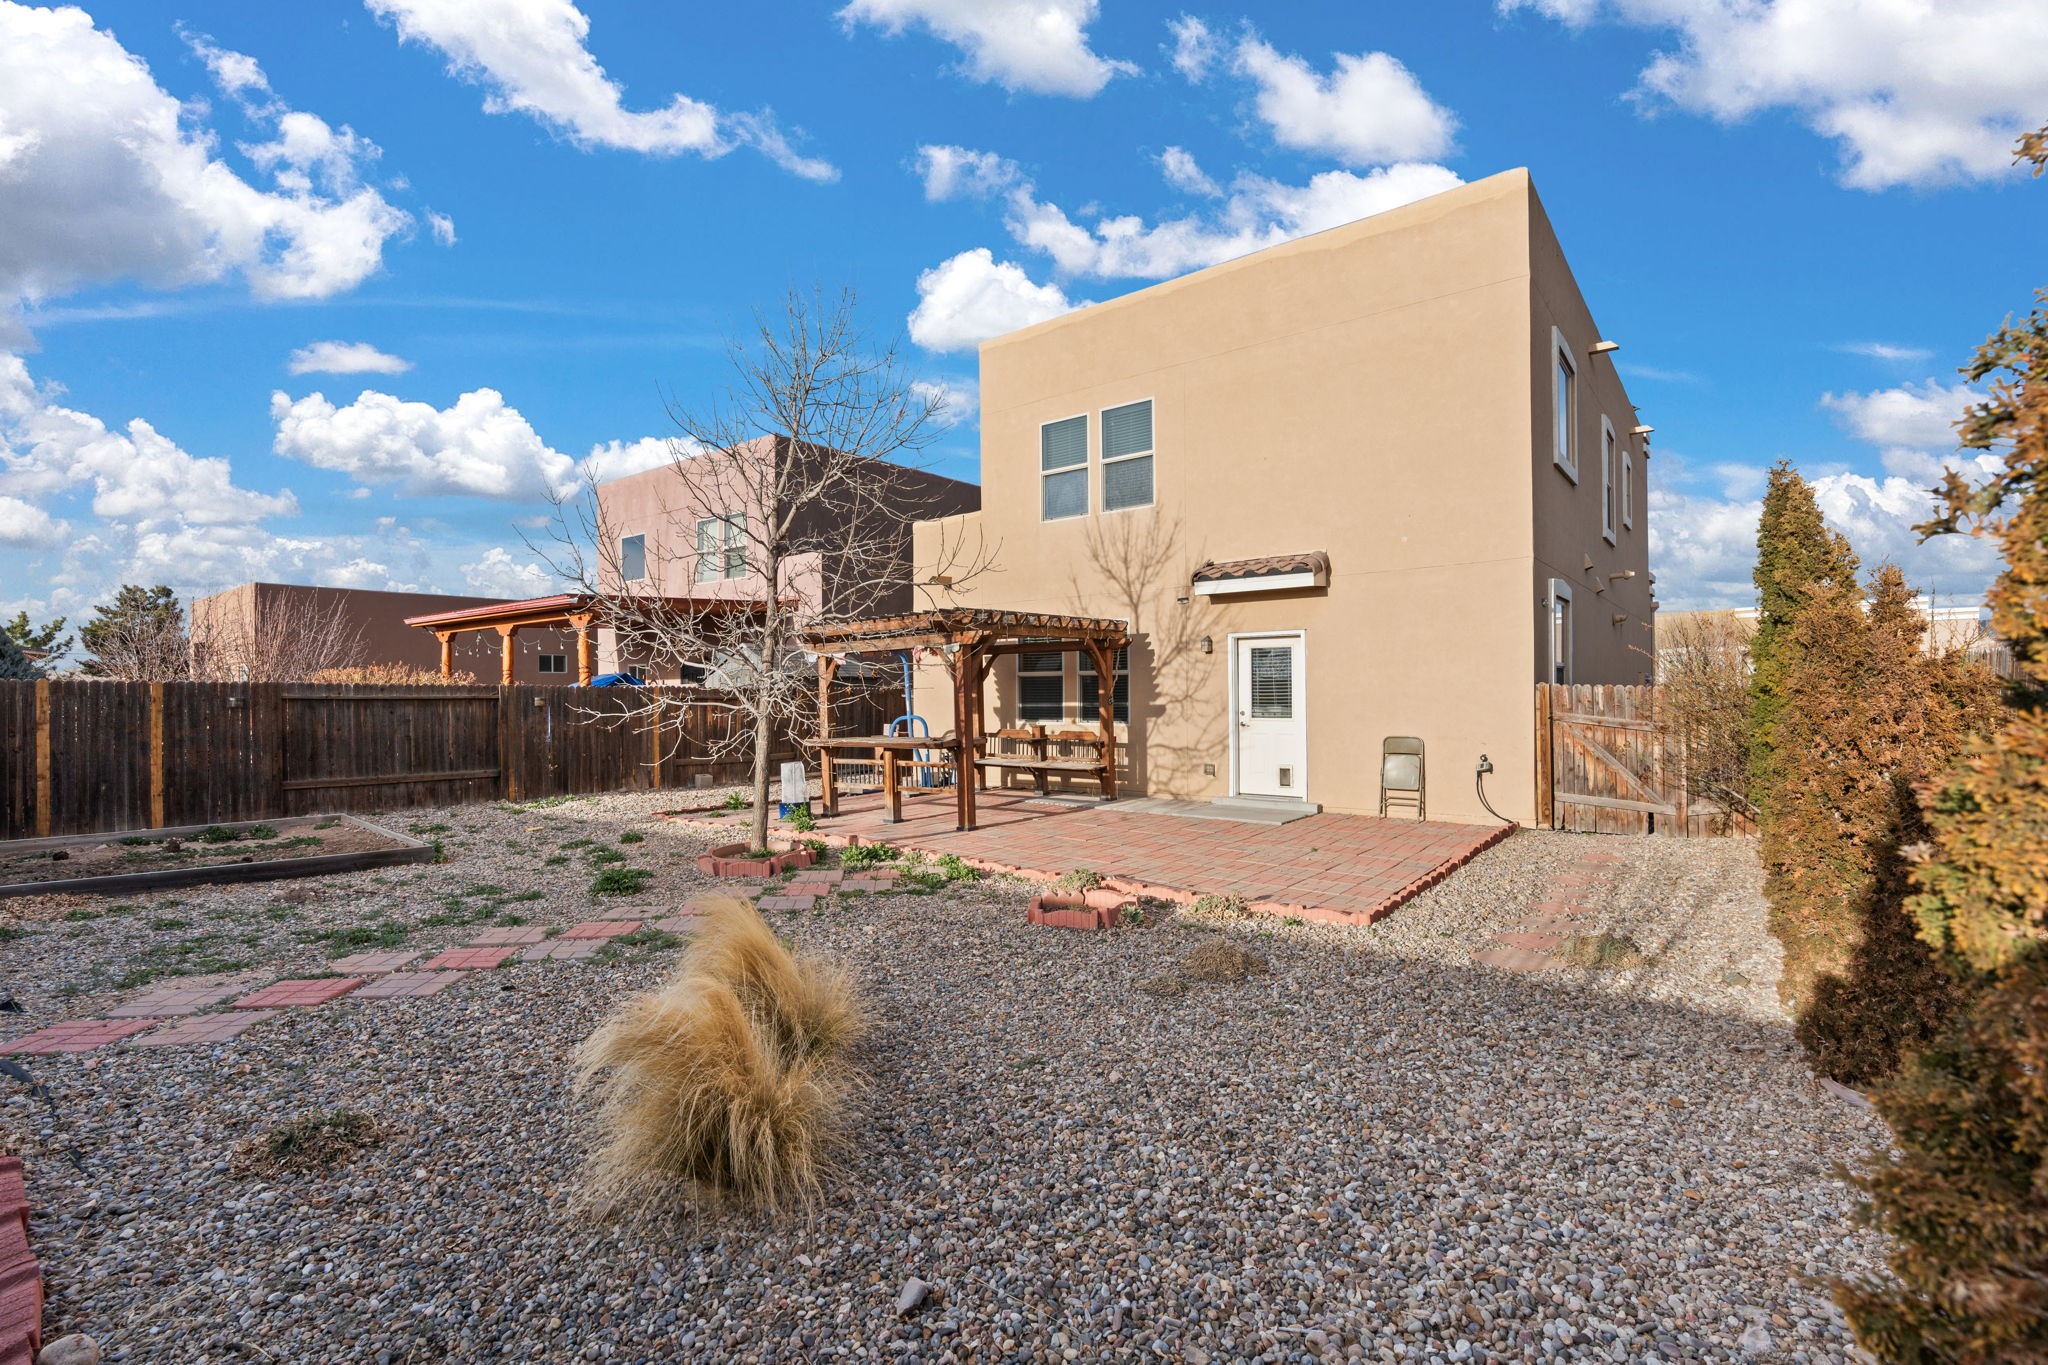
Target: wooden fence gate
<point>1606,764</point>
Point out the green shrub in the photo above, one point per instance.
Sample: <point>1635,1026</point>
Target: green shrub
<point>801,820</point>
<point>734,801</point>
<point>216,834</point>
<point>632,836</point>
<point>956,869</point>
<point>863,856</point>
<point>357,937</point>
<point>1080,879</point>
<point>621,881</point>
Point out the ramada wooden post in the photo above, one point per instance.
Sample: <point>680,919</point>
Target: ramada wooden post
<point>506,633</point>
<point>828,790</point>
<point>584,671</point>
<point>892,787</point>
<point>1105,711</point>
<point>447,639</point>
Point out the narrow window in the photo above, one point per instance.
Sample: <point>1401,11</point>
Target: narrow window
<point>1560,631</point>
<point>1607,454</point>
<point>709,549</point>
<point>1041,685</point>
<point>554,663</point>
<point>1565,402</point>
<point>735,544</point>
<point>1091,686</point>
<point>1628,488</point>
<point>1063,466</point>
<point>632,558</point>
<point>1127,456</point>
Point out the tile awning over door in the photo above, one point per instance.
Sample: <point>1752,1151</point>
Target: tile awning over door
<point>1270,573</point>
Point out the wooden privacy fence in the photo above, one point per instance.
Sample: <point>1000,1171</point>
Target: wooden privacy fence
<point>92,757</point>
<point>1607,763</point>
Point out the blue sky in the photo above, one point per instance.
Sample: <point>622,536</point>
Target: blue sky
<point>514,223</point>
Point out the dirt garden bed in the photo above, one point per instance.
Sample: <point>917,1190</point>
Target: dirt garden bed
<point>158,859</point>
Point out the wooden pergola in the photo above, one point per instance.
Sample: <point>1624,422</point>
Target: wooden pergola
<point>971,639</point>
<point>563,611</point>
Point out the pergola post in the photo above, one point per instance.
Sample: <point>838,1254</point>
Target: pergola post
<point>828,790</point>
<point>506,633</point>
<point>584,670</point>
<point>1105,711</point>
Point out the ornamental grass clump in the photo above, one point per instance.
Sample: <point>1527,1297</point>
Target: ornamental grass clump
<point>732,1081</point>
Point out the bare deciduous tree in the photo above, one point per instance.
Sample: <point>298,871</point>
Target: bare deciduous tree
<point>1703,693</point>
<point>792,507</point>
<point>285,639</point>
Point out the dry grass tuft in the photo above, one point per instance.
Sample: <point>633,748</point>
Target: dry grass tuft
<point>732,1079</point>
<point>1164,987</point>
<point>1220,960</point>
<point>1608,952</point>
<point>313,1143</point>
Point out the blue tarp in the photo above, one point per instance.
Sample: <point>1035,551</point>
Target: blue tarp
<point>616,680</point>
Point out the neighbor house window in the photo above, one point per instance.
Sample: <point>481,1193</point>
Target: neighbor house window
<point>554,663</point>
<point>1608,455</point>
<point>1127,456</point>
<point>632,558</point>
<point>1041,685</point>
<point>1560,631</point>
<point>1565,402</point>
<point>1091,687</point>
<point>1063,468</point>
<point>722,547</point>
<point>1628,488</point>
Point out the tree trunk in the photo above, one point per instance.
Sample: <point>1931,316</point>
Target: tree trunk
<point>763,731</point>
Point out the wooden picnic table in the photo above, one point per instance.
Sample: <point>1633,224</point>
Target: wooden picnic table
<point>890,750</point>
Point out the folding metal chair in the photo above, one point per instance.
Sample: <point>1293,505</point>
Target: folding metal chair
<point>1401,774</point>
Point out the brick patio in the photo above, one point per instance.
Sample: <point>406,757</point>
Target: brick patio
<point>1345,868</point>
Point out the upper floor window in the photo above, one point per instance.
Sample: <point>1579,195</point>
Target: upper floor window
<point>554,663</point>
<point>722,547</point>
<point>1565,405</point>
<point>1041,685</point>
<point>1063,468</point>
<point>1127,456</point>
<point>1560,631</point>
<point>1628,488</point>
<point>1608,456</point>
<point>632,558</point>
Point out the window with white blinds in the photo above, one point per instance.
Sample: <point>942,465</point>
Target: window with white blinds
<point>1091,688</point>
<point>1041,685</point>
<point>1127,456</point>
<point>722,547</point>
<point>1063,468</point>
<point>1272,682</point>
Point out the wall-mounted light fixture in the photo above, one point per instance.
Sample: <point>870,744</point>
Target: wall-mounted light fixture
<point>1208,644</point>
<point>1643,432</point>
<point>1182,599</point>
<point>1603,347</point>
<point>940,580</point>
<point>1623,573</point>
<point>1620,617</point>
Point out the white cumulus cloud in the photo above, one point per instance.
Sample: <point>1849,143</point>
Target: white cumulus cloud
<point>960,172</point>
<point>617,459</point>
<point>1368,111</point>
<point>1195,49</point>
<point>344,357</point>
<point>23,525</point>
<point>1183,172</point>
<point>497,573</point>
<point>1914,92</point>
<point>964,301</point>
<point>105,176</point>
<point>532,58</point>
<point>479,446</point>
<point>1038,47</point>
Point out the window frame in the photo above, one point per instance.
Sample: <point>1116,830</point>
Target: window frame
<point>718,558</point>
<point>641,577</point>
<point>560,660</point>
<point>1610,447</point>
<point>1059,673</point>
<point>1560,594</point>
<point>1120,680</point>
<point>1564,426</point>
<point>1105,460</point>
<point>733,561</point>
<point>1084,468</point>
<point>1628,488</point>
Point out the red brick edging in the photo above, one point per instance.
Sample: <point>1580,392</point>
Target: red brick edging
<point>725,861</point>
<point>1093,909</point>
<point>21,1278</point>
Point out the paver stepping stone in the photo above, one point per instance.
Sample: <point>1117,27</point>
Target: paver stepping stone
<point>408,985</point>
<point>563,949</point>
<point>77,1035</point>
<point>207,1028</point>
<point>1514,959</point>
<point>498,938</point>
<point>1532,942</point>
<point>868,884</point>
<point>676,924</point>
<point>373,962</point>
<point>1561,907</point>
<point>601,928</point>
<point>187,995</point>
<point>483,958</point>
<point>787,902</point>
<point>299,993</point>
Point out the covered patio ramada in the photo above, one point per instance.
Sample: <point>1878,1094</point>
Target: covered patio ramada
<point>577,612</point>
<point>970,640</point>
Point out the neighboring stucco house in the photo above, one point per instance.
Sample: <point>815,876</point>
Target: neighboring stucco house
<point>1376,482</point>
<point>256,612</point>
<point>679,531</point>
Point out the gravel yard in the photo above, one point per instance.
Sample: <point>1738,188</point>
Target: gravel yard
<point>1376,1150</point>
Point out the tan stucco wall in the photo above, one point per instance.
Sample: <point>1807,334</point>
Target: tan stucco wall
<point>1365,392</point>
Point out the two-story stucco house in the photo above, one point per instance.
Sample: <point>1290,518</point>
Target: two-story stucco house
<point>1375,482</point>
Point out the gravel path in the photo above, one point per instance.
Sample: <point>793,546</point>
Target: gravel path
<point>1377,1150</point>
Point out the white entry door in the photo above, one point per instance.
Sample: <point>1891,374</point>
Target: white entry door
<point>1271,753</point>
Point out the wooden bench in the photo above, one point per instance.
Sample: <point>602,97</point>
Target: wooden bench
<point>1039,760</point>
